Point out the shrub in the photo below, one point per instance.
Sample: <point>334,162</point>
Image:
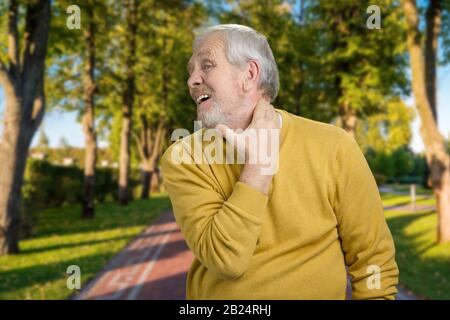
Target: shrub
<point>48,185</point>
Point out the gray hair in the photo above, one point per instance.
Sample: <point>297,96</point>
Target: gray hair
<point>243,44</point>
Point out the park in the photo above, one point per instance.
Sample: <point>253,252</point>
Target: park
<point>92,95</point>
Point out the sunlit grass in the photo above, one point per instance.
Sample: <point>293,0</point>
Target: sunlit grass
<point>407,187</point>
<point>396,200</point>
<point>424,264</point>
<point>63,239</point>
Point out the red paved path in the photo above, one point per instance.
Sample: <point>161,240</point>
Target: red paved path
<point>153,266</point>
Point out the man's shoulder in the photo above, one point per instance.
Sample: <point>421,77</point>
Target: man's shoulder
<point>314,130</point>
<point>182,142</point>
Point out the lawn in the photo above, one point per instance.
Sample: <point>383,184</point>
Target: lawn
<point>406,188</point>
<point>424,265</point>
<point>63,239</point>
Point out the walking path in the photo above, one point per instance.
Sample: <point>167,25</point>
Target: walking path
<point>154,266</point>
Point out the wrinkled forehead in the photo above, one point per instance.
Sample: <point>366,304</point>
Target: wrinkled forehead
<point>211,47</point>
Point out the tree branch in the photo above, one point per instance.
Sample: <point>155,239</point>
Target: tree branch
<point>36,36</point>
<point>13,39</point>
<point>139,145</point>
<point>433,26</point>
<point>158,138</point>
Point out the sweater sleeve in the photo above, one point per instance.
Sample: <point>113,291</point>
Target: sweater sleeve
<point>221,232</point>
<point>365,237</point>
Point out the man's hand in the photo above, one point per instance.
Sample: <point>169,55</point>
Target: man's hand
<point>250,144</point>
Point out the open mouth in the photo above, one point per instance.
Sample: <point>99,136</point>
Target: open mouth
<point>202,98</point>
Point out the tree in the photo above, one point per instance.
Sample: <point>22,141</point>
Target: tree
<point>64,146</point>
<point>63,143</point>
<point>162,49</point>
<point>149,144</point>
<point>72,84</point>
<point>360,67</point>
<point>437,157</point>
<point>331,65</point>
<point>131,13</point>
<point>388,131</point>
<point>22,78</point>
<point>43,142</point>
<point>161,76</point>
<point>89,86</point>
<point>433,27</point>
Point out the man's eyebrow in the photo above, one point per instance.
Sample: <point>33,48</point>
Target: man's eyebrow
<point>204,53</point>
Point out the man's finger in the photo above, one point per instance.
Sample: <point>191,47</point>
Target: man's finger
<point>225,132</point>
<point>261,107</point>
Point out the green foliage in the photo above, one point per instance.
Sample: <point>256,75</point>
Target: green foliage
<point>399,166</point>
<point>388,131</point>
<point>43,142</point>
<point>361,67</point>
<point>48,185</point>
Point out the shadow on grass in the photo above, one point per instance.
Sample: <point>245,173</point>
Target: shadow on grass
<point>84,243</point>
<point>42,273</point>
<point>107,216</point>
<point>66,221</point>
<point>425,275</point>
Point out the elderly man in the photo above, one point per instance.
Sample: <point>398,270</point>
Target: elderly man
<point>289,234</point>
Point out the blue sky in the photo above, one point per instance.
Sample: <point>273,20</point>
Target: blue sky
<point>59,124</point>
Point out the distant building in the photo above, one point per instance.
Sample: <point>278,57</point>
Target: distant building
<point>39,155</point>
<point>68,161</point>
<point>104,163</point>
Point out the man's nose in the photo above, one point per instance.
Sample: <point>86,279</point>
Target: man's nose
<point>194,80</point>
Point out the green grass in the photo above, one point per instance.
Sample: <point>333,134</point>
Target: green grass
<point>406,188</point>
<point>63,239</point>
<point>396,200</point>
<point>424,264</point>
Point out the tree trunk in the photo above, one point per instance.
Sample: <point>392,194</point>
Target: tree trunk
<point>147,174</point>
<point>88,210</point>
<point>155,181</point>
<point>128,99</point>
<point>348,120</point>
<point>433,22</point>
<point>150,148</point>
<point>437,158</point>
<point>23,84</point>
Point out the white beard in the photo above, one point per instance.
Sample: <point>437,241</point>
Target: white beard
<point>212,117</point>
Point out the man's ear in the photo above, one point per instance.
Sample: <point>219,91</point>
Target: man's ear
<point>252,74</point>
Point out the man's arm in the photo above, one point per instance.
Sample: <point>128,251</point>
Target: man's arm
<point>365,236</point>
<point>221,232</point>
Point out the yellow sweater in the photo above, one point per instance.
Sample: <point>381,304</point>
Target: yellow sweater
<point>323,212</point>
